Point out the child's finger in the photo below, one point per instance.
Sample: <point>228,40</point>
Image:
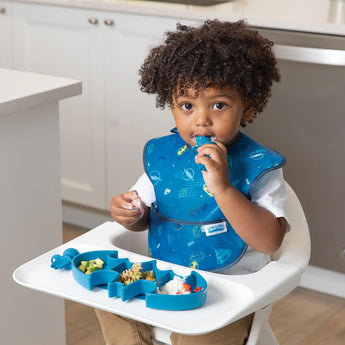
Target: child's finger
<point>127,206</point>
<point>122,201</point>
<point>128,220</point>
<point>125,216</point>
<point>207,149</point>
<point>222,147</point>
<point>130,196</point>
<point>208,153</point>
<point>135,203</point>
<point>217,152</point>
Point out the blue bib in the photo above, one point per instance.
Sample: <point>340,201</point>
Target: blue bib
<point>186,225</point>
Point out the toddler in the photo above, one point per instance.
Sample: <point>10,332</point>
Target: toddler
<point>211,197</point>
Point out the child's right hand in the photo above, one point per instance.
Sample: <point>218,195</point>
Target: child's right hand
<point>127,209</point>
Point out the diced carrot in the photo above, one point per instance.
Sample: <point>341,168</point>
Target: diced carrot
<point>186,287</point>
<point>198,288</point>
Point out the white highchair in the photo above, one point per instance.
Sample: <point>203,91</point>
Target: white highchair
<point>229,298</point>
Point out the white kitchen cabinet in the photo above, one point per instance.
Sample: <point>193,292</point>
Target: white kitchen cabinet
<point>30,203</point>
<point>132,117</point>
<point>103,131</point>
<point>69,43</point>
<point>5,34</point>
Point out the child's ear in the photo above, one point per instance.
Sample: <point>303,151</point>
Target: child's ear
<point>248,114</point>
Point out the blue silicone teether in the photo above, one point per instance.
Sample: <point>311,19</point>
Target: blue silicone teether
<point>201,140</point>
<point>63,262</point>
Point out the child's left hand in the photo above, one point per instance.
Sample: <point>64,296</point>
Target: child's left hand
<point>214,158</point>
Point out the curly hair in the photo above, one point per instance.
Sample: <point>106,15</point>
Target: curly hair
<point>216,53</point>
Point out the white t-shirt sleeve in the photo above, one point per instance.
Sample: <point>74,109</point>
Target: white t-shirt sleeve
<point>270,192</point>
<point>145,189</point>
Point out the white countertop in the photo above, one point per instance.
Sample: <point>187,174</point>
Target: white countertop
<point>21,90</point>
<point>316,16</point>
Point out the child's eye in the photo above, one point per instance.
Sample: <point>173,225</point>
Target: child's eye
<point>187,106</point>
<point>219,106</point>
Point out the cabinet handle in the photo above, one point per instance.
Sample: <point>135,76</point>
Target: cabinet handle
<point>109,22</point>
<point>93,20</point>
<point>322,56</point>
<point>2,10</point>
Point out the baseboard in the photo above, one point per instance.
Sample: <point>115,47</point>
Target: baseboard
<point>85,217</point>
<point>323,280</point>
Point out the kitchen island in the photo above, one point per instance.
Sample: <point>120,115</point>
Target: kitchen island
<point>30,199</point>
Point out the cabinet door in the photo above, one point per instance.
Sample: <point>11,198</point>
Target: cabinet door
<point>132,118</point>
<point>5,35</point>
<point>62,42</point>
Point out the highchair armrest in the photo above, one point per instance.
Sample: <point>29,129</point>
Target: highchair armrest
<point>228,297</point>
<point>268,285</point>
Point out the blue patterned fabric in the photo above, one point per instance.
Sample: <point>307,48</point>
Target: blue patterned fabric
<point>186,225</point>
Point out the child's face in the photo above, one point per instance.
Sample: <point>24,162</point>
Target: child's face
<point>216,112</point>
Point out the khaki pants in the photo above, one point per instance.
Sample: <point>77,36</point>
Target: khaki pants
<point>118,330</point>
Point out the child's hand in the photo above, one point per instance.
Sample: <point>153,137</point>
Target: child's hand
<point>127,209</point>
<point>214,158</point>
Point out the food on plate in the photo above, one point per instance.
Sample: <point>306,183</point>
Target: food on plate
<point>177,286</point>
<point>135,273</point>
<point>90,266</point>
<point>197,289</point>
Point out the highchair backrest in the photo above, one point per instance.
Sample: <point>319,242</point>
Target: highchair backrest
<point>295,249</point>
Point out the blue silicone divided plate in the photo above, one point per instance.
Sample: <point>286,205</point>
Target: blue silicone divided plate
<point>109,277</point>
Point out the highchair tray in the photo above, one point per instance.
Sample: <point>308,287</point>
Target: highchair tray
<point>228,297</point>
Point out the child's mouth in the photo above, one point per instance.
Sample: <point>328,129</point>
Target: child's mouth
<point>210,136</point>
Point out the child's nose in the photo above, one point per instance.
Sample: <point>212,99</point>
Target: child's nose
<point>202,119</point>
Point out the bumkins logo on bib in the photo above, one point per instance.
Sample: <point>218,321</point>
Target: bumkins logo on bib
<point>257,155</point>
<point>214,229</point>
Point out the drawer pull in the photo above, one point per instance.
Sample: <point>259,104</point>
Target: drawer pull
<point>109,22</point>
<point>93,20</point>
<point>331,57</point>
